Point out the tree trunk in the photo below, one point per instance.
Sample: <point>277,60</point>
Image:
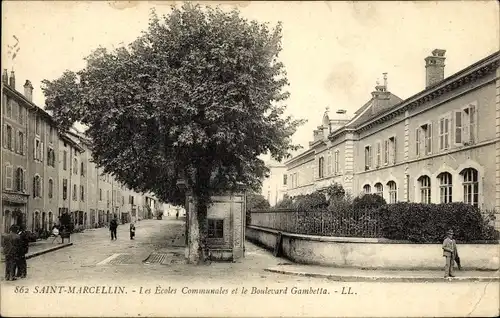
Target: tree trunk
<point>197,252</point>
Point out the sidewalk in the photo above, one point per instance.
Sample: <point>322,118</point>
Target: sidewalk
<point>353,274</point>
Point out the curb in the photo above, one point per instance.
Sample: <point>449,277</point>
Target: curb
<point>355,278</point>
<point>47,250</point>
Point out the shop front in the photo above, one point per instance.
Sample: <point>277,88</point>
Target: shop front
<point>14,210</point>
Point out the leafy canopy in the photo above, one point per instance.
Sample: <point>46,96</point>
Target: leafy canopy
<point>199,95</point>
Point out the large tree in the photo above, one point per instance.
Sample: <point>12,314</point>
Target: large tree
<point>199,96</point>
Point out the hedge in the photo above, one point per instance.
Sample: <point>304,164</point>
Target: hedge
<point>428,223</point>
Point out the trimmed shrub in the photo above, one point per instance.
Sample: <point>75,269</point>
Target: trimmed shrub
<point>428,223</point>
<point>368,201</point>
<point>286,203</point>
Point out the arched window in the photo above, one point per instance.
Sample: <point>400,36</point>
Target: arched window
<point>37,187</point>
<point>379,189</point>
<point>19,179</point>
<point>445,187</point>
<point>51,188</point>
<point>392,192</point>
<point>367,189</point>
<point>425,189</point>
<point>44,221</point>
<point>471,186</point>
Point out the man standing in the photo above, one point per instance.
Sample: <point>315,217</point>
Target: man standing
<point>22,267</point>
<point>11,244</point>
<point>112,227</point>
<point>450,253</point>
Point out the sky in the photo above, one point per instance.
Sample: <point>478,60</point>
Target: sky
<point>333,52</point>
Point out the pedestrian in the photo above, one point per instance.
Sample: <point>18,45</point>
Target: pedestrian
<point>450,253</point>
<point>22,267</point>
<point>113,225</point>
<point>11,243</point>
<point>55,233</point>
<point>132,231</point>
<point>177,214</point>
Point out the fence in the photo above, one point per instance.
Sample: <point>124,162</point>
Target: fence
<point>352,223</point>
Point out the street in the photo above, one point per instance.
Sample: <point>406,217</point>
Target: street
<point>100,276</point>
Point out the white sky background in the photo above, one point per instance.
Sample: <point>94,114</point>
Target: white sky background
<point>333,51</point>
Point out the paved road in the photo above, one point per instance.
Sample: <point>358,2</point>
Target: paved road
<point>95,260</point>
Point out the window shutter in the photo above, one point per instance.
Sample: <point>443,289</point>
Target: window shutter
<point>24,180</point>
<point>4,135</point>
<point>8,177</point>
<point>458,127</point>
<point>34,187</point>
<point>41,151</point>
<point>472,123</point>
<point>429,129</point>
<point>394,151</point>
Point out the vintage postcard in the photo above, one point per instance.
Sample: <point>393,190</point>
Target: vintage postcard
<point>250,159</point>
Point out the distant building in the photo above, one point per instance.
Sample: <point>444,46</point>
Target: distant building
<point>274,186</point>
<point>440,145</point>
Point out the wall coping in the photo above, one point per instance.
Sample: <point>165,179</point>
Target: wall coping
<point>354,239</point>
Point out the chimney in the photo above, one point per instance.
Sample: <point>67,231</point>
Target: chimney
<point>380,96</point>
<point>434,67</point>
<point>12,80</point>
<point>28,90</point>
<point>5,77</point>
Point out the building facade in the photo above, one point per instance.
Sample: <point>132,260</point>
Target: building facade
<point>440,145</point>
<point>46,173</point>
<point>274,185</point>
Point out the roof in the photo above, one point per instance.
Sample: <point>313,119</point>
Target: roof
<point>381,105</point>
<point>20,97</point>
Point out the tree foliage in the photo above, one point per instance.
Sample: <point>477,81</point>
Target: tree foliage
<point>198,95</point>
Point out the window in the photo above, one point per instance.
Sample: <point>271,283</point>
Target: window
<point>37,125</point>
<point>131,199</point>
<point>445,186</point>
<point>285,179</point>
<point>51,188</point>
<point>21,115</point>
<point>100,194</point>
<point>465,125</point>
<point>367,189</point>
<point>8,176</point>
<point>51,157</point>
<point>82,193</point>
<point>424,134</point>
<point>123,200</point>
<point>8,108</point>
<point>8,142</point>
<point>82,170</point>
<point>321,167</point>
<point>368,157</point>
<point>51,134</point>
<point>38,151</point>
<point>379,146</point>
<point>20,181</point>
<point>444,134</point>
<point>471,186</point>
<point>65,160</point>
<point>329,165</point>
<point>337,163</point>
<point>392,191</point>
<point>392,149</point>
<point>75,166</point>
<point>20,142</point>
<point>37,187</point>
<point>74,192</point>
<point>65,189</point>
<point>215,228</point>
<point>425,189</point>
<point>379,189</point>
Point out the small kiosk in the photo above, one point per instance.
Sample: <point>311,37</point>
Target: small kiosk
<point>226,225</point>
